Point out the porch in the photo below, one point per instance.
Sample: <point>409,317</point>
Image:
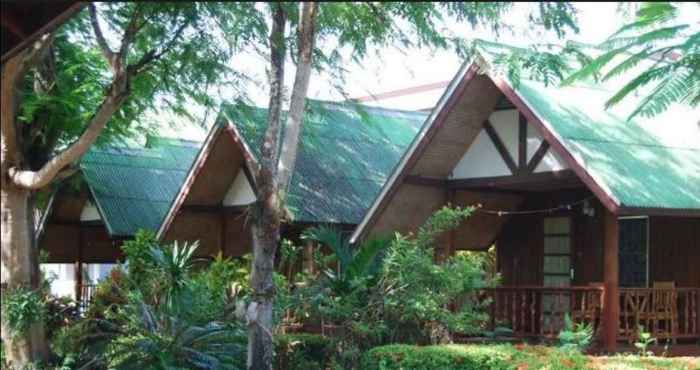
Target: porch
<point>537,311</point>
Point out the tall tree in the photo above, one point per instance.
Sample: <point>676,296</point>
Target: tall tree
<point>98,75</point>
<point>656,52</point>
<point>320,29</point>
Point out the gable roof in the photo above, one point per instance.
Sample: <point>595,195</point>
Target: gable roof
<point>133,187</point>
<point>642,166</point>
<point>346,152</point>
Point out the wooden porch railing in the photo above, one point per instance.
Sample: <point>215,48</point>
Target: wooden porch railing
<point>665,313</point>
<point>536,311</point>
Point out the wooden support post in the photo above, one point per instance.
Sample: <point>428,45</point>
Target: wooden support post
<point>451,239</point>
<point>309,257</point>
<point>611,307</point>
<point>222,237</point>
<point>79,267</point>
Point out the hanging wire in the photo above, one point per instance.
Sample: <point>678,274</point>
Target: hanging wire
<point>560,207</point>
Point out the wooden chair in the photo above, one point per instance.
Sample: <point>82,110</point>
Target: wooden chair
<point>664,310</point>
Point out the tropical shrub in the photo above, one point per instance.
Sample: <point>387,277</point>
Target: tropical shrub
<point>644,340</point>
<point>159,311</point>
<point>391,290</point>
<point>472,357</point>
<point>417,294</point>
<point>21,308</point>
<point>401,356</point>
<point>302,351</point>
<point>575,337</point>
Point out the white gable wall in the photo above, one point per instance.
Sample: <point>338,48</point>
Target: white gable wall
<point>482,159</point>
<point>506,124</point>
<point>551,162</point>
<point>240,193</point>
<point>89,212</point>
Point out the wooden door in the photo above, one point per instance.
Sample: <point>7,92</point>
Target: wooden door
<point>556,270</point>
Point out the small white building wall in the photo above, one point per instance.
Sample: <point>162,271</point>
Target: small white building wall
<point>240,193</point>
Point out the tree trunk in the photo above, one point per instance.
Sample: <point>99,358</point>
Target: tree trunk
<point>20,269</point>
<point>19,257</point>
<point>306,37</point>
<point>266,213</point>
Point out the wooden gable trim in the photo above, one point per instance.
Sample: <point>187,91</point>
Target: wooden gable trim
<point>537,157</point>
<point>522,143</point>
<point>501,147</point>
<point>450,97</point>
<point>425,181</point>
<point>189,180</point>
<point>522,179</point>
<point>198,165</point>
<point>606,199</point>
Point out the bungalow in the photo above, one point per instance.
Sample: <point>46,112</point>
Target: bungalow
<point>592,215</point>
<point>117,191</point>
<point>192,191</point>
<point>346,152</point>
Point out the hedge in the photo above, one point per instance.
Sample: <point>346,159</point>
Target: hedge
<point>302,351</point>
<point>447,357</point>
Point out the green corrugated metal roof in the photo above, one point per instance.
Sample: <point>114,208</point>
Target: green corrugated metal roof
<point>346,153</point>
<point>637,164</point>
<point>133,187</point>
<point>644,162</point>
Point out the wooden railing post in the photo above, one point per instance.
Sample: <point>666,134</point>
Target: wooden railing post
<point>611,309</point>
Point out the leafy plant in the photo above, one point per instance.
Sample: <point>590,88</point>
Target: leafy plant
<point>138,252</point>
<point>174,263</point>
<point>671,50</point>
<point>644,339</point>
<point>417,293</point>
<point>575,337</point>
<point>289,255</point>
<point>155,338</point>
<point>353,264</point>
<point>21,308</point>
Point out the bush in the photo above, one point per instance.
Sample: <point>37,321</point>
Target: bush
<point>448,357</point>
<point>417,293</point>
<point>575,337</point>
<point>472,357</point>
<point>158,312</point>
<point>22,308</point>
<point>302,351</point>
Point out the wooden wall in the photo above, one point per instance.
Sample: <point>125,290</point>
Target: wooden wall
<point>674,250</point>
<point>66,243</point>
<point>520,243</point>
<point>215,232</point>
<point>674,245</point>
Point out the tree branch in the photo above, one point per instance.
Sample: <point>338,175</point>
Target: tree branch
<point>106,50</point>
<point>152,55</point>
<point>130,32</point>
<point>13,70</point>
<point>306,37</point>
<point>38,179</point>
